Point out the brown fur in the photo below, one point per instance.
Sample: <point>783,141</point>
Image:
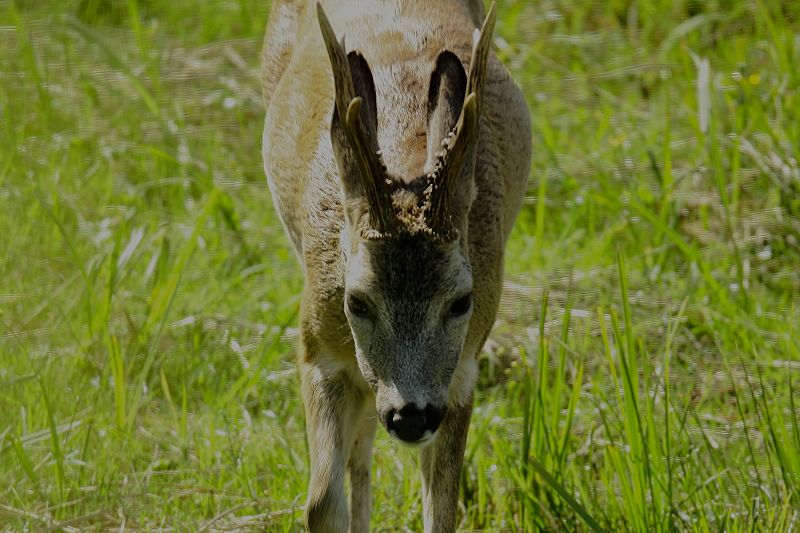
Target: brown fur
<point>400,40</point>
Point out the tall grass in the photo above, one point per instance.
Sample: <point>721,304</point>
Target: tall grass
<point>642,375</point>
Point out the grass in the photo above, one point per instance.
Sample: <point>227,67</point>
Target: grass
<point>644,374</point>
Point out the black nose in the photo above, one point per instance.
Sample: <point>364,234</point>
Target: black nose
<point>411,423</point>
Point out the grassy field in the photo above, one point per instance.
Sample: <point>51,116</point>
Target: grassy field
<point>644,374</point>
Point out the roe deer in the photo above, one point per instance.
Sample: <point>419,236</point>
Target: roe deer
<point>397,174</point>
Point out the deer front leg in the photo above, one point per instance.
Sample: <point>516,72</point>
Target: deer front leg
<point>441,470</point>
<point>359,470</point>
<point>333,407</point>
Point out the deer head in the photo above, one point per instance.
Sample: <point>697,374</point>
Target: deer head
<point>408,281</point>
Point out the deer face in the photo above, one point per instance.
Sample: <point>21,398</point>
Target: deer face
<point>408,282</point>
<point>408,302</point>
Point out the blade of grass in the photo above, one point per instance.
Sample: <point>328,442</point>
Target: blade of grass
<point>115,62</point>
<point>568,498</point>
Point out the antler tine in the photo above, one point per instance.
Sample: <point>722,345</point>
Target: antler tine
<point>460,142</point>
<point>481,44</point>
<point>342,77</point>
<point>348,106</point>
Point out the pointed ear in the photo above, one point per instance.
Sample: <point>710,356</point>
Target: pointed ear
<point>354,133</point>
<point>445,100</point>
<point>362,109</point>
<point>450,197</point>
<point>364,87</point>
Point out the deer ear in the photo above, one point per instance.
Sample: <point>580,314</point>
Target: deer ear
<point>364,87</point>
<point>445,100</point>
<point>366,110</point>
<point>457,155</point>
<point>354,133</point>
<point>355,143</point>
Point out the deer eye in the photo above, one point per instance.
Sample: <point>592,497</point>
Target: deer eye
<point>357,307</point>
<point>461,306</point>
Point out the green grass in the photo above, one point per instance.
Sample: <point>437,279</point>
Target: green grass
<point>644,374</point>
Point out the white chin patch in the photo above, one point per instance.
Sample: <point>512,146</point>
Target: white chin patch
<point>425,440</point>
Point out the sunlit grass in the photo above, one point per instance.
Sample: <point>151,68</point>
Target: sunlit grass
<point>643,374</point>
